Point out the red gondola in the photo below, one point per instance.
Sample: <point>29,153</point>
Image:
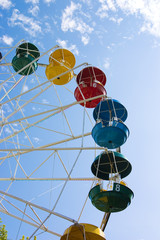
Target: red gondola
<point>86,91</point>
<point>90,75</point>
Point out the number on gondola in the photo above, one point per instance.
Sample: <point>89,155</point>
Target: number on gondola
<point>117,187</point>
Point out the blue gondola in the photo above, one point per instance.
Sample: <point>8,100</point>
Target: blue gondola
<point>110,134</point>
<point>110,109</point>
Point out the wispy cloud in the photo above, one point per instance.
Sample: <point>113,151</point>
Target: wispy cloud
<point>89,2</point>
<point>36,139</point>
<point>72,21</point>
<point>25,88</point>
<point>1,113</point>
<point>49,1</point>
<point>105,6</point>
<point>26,23</point>
<point>34,10</point>
<point>7,130</point>
<point>7,40</point>
<point>5,4</point>
<point>47,27</point>
<point>32,1</point>
<point>85,39</point>
<point>45,101</point>
<point>116,20</point>
<point>148,10</point>
<point>71,47</point>
<point>106,63</point>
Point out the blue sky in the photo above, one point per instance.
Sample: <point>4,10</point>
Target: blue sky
<point>120,37</point>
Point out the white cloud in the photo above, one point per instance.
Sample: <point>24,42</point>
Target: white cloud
<point>111,5</point>
<point>45,101</point>
<point>2,112</point>
<point>151,14</point>
<point>128,37</point>
<point>5,4</point>
<point>36,139</point>
<point>132,7</point>
<point>71,21</point>
<point>49,1</point>
<point>15,124</point>
<point>116,20</point>
<point>106,5</point>
<point>34,10</point>
<point>32,1</point>
<point>25,88</point>
<point>7,108</point>
<point>148,9</point>
<point>106,63</point>
<point>85,39</point>
<point>47,27</point>
<point>87,1</point>
<point>7,130</point>
<point>7,40</point>
<point>28,24</point>
<point>72,47</point>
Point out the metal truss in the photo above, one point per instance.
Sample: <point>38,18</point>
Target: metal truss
<point>27,117</point>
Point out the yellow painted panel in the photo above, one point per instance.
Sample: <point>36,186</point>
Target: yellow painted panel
<point>76,232</point>
<point>53,71</point>
<point>63,56</point>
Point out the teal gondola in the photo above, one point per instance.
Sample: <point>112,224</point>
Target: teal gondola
<point>111,134</point>
<point>26,53</point>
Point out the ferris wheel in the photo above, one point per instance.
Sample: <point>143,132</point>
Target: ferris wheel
<point>61,166</point>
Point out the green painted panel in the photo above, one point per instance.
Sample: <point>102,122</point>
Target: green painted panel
<point>111,201</point>
<point>19,62</point>
<point>28,48</point>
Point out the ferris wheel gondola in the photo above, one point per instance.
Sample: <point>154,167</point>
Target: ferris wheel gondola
<point>109,130</point>
<point>91,81</point>
<point>60,61</point>
<point>26,54</point>
<point>83,231</point>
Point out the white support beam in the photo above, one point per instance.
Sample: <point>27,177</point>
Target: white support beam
<point>10,51</point>
<point>57,110</point>
<point>49,179</point>
<point>39,207</point>
<point>48,145</point>
<point>50,149</point>
<point>30,223</point>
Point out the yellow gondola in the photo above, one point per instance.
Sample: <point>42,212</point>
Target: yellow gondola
<point>83,231</point>
<point>63,56</point>
<point>53,71</point>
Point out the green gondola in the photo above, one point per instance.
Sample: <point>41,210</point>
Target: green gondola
<point>114,200</point>
<point>110,163</point>
<point>26,53</point>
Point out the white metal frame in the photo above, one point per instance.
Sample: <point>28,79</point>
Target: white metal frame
<point>20,149</point>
